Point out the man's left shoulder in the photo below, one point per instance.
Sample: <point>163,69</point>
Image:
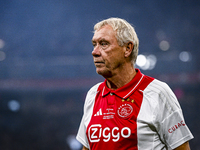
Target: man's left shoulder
<point>158,86</point>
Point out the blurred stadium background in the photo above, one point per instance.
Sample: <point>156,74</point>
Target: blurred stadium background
<point>46,66</point>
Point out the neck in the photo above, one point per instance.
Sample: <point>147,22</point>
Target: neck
<point>122,78</point>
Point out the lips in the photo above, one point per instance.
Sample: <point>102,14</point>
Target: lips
<point>97,63</point>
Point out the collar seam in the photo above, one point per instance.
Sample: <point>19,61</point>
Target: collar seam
<point>134,87</point>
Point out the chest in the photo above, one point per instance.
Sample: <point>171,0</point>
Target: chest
<point>114,119</point>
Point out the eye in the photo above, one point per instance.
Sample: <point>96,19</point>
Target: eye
<point>104,43</point>
<point>94,44</point>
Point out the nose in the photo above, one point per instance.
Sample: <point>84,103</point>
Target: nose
<point>96,51</point>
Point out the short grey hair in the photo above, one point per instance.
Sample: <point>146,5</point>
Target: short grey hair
<point>125,33</point>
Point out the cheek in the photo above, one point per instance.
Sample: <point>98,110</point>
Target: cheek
<point>109,60</point>
<point>113,58</point>
<point>113,62</point>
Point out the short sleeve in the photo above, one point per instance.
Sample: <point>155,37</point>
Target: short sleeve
<point>174,130</point>
<point>88,110</point>
<point>81,136</point>
<point>169,118</point>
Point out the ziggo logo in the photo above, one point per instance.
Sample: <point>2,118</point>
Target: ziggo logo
<point>96,131</point>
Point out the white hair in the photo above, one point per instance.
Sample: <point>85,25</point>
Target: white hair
<point>125,33</point>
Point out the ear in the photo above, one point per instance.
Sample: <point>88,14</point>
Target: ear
<point>129,49</point>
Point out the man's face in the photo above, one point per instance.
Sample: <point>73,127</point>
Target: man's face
<point>107,54</point>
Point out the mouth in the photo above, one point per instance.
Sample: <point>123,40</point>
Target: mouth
<point>97,63</point>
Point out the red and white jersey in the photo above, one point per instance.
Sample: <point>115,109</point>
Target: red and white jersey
<point>144,114</point>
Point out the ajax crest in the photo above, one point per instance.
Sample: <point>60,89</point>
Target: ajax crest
<point>125,110</point>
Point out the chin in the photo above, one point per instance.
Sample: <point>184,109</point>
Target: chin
<point>104,73</point>
<point>99,72</point>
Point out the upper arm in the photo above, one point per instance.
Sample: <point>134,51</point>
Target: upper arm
<point>184,146</point>
<point>84,148</point>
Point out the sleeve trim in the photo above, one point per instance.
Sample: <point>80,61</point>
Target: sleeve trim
<point>181,141</point>
<point>82,141</point>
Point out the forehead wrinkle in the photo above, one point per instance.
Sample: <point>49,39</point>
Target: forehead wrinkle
<point>99,36</point>
<point>100,39</point>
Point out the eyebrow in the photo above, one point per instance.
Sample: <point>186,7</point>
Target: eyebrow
<point>103,39</point>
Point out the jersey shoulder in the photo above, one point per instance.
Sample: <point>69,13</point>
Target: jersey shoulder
<point>164,95</point>
<point>93,90</point>
<point>91,94</point>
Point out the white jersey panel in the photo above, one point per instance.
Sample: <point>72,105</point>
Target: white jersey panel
<point>160,121</point>
<point>87,114</point>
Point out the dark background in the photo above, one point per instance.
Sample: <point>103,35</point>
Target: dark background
<point>46,66</point>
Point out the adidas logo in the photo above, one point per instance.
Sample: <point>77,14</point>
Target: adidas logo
<point>99,113</point>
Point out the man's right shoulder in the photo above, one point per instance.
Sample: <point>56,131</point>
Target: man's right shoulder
<point>90,97</point>
<point>91,94</point>
<point>94,88</point>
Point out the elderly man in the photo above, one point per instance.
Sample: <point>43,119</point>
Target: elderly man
<point>129,110</point>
